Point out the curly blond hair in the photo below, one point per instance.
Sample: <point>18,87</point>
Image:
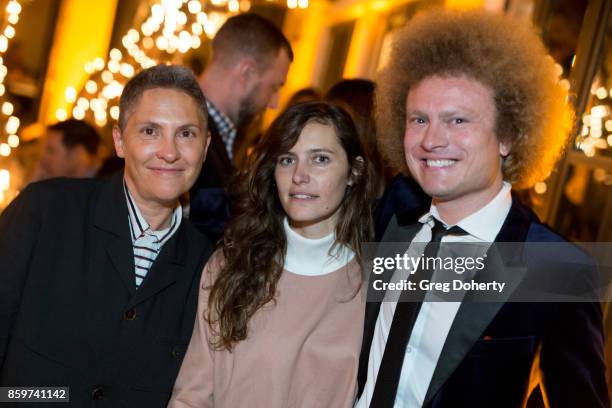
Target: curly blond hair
<point>499,51</point>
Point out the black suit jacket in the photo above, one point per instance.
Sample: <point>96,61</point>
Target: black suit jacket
<point>495,353</point>
<point>208,200</point>
<point>70,314</point>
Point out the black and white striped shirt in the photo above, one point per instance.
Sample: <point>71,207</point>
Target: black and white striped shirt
<point>147,243</point>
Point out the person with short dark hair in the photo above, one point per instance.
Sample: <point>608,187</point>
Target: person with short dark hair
<point>357,97</point>
<point>249,64</point>
<point>469,104</point>
<point>303,95</point>
<point>70,150</point>
<point>99,278</point>
<point>280,315</point>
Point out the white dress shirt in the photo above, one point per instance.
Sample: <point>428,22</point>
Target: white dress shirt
<point>435,318</point>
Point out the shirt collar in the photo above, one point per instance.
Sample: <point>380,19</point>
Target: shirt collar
<point>485,223</point>
<point>139,225</point>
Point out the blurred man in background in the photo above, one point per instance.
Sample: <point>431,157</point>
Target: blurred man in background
<point>250,61</point>
<point>70,150</point>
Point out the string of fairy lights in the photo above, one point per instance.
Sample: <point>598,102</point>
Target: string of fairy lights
<point>9,121</point>
<point>596,132</point>
<point>178,26</point>
<point>171,28</point>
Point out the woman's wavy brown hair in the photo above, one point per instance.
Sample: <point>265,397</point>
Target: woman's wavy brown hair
<point>254,243</point>
<point>503,53</point>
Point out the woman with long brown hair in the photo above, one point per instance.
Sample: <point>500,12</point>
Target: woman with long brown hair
<point>280,315</point>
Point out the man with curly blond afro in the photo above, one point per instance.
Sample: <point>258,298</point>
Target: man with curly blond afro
<point>470,105</point>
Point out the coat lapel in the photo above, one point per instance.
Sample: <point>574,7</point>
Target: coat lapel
<point>111,216</point>
<point>166,268</point>
<point>473,317</point>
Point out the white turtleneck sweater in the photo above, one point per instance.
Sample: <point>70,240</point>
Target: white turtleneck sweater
<point>311,257</point>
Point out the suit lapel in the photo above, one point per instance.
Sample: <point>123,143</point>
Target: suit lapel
<point>111,216</point>
<point>473,317</point>
<point>166,268</point>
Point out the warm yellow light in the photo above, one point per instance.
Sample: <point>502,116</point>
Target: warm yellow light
<point>210,28</point>
<point>89,67</point>
<point>13,7</point>
<point>245,5</point>
<point>233,6</point>
<point>133,35</point>
<point>2,89</point>
<point>83,103</point>
<point>157,11</point>
<point>61,114</point>
<point>599,175</point>
<point>107,92</point>
<point>609,140</point>
<point>95,105</point>
<point>107,77</point>
<point>114,112</point>
<point>91,86</point>
<point>13,141</point>
<point>100,114</point>
<point>12,125</point>
<point>78,113</point>
<point>115,54</point>
<point>113,66</point>
<point>601,92</point>
<point>292,4</point>
<point>5,179</point>
<point>184,42</point>
<point>194,6</point>
<point>162,43</point>
<point>181,18</point>
<point>196,29</point>
<point>70,94</point>
<point>565,84</point>
<point>98,64</point>
<point>202,17</point>
<point>3,43</point>
<point>146,29</point>
<point>155,21</point>
<point>599,111</point>
<point>148,43</point>
<point>195,42</point>
<point>13,18</point>
<point>5,149</point>
<point>9,31</point>
<point>127,70</point>
<point>7,108</point>
<point>540,187</point>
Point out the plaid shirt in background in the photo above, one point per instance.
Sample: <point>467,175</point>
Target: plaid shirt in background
<point>226,128</point>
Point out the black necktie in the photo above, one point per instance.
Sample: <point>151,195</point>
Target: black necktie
<point>403,321</point>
